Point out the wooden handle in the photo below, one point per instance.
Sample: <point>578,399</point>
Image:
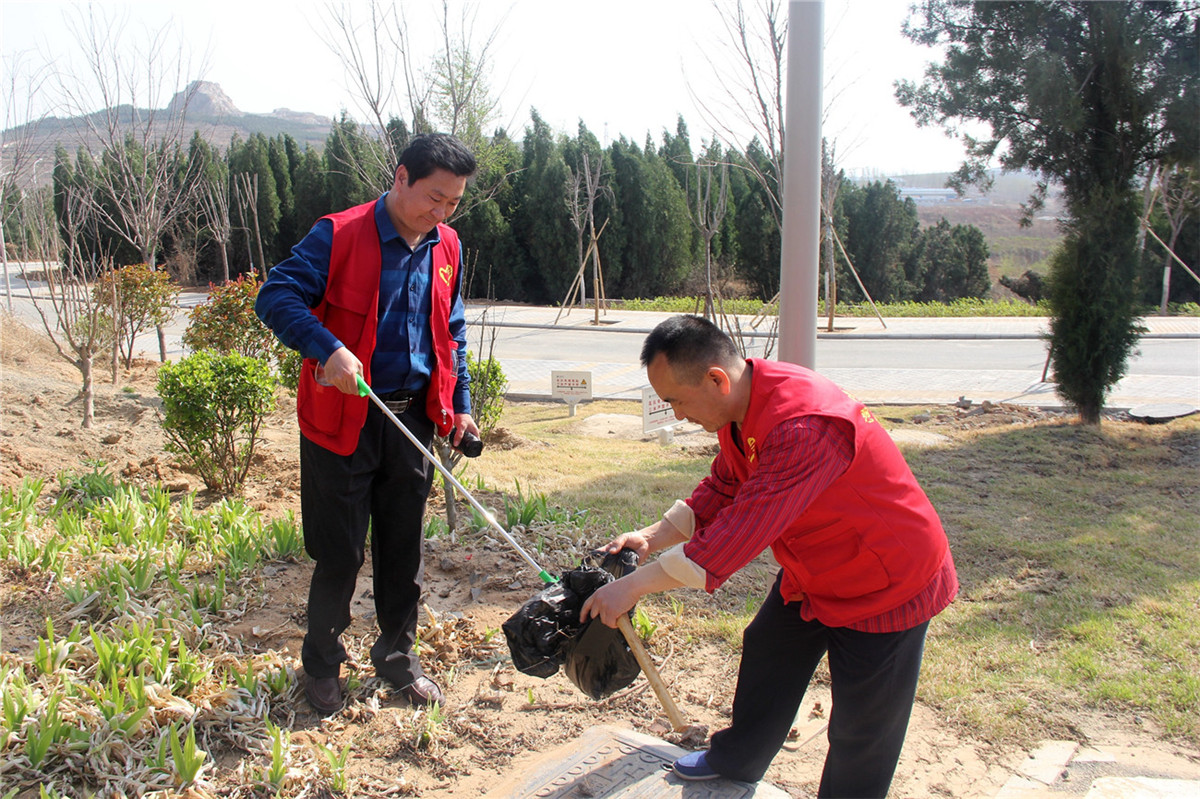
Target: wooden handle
<point>678,723</point>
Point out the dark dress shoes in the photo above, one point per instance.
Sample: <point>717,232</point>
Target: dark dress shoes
<point>424,691</point>
<point>324,694</point>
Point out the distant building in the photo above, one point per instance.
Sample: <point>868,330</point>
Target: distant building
<point>927,196</point>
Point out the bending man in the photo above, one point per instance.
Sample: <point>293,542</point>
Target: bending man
<point>809,472</point>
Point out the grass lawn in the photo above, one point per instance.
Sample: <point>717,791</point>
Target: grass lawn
<point>1078,550</point>
<point>1079,555</point>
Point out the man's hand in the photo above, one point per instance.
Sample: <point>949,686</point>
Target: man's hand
<point>463,423</point>
<point>610,601</point>
<point>636,541</point>
<point>342,369</point>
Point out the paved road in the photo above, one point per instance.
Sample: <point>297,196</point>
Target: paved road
<point>908,361</point>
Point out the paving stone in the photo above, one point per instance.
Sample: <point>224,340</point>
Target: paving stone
<point>1143,788</point>
<point>1159,412</point>
<point>616,763</point>
<point>1047,763</point>
<point>918,438</point>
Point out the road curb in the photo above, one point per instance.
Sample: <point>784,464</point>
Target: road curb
<point>643,331</point>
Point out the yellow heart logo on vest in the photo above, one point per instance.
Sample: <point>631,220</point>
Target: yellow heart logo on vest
<point>446,272</point>
<point>751,449</point>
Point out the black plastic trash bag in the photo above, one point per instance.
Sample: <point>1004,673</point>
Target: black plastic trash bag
<point>545,633</point>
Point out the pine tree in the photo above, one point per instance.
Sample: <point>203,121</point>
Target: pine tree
<point>1086,94</point>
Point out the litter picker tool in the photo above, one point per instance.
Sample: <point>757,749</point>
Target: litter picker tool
<point>631,638</point>
<point>365,391</point>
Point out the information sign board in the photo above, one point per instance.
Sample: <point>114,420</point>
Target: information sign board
<point>571,386</point>
<point>656,414</point>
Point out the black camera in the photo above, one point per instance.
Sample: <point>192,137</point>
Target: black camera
<point>471,445</point>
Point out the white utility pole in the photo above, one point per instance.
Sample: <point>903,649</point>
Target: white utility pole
<point>799,265</point>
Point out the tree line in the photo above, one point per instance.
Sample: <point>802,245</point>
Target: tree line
<point>657,218</point>
<point>242,207</point>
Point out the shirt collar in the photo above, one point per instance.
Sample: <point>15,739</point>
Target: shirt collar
<point>388,232</point>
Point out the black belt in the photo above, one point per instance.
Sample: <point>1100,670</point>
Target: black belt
<point>401,401</point>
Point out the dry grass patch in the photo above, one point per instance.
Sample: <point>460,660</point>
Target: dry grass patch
<point>1078,553</point>
<point>626,482</point>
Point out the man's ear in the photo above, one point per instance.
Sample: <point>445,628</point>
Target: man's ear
<point>401,175</point>
<point>720,379</point>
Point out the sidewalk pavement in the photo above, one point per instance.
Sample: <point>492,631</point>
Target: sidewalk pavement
<point>530,379</point>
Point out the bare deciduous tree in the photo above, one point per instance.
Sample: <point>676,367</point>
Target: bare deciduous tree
<point>375,51</point>
<point>246,188</point>
<point>751,83</point>
<point>751,78</point>
<point>831,181</point>
<point>462,100</point>
<point>214,205</point>
<point>142,87</point>
<point>20,144</point>
<point>447,89</point>
<point>586,188</point>
<point>76,321</point>
<point>1179,195</point>
<point>708,212</point>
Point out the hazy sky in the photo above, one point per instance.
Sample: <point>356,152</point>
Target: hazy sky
<point>626,67</point>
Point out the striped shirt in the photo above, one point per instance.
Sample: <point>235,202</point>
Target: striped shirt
<point>801,458</point>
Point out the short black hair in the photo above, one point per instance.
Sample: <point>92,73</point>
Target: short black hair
<point>431,151</point>
<point>691,345</point>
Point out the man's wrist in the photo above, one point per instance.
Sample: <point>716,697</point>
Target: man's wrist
<point>681,518</point>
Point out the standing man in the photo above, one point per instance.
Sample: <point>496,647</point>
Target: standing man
<point>808,471</point>
<point>374,291</point>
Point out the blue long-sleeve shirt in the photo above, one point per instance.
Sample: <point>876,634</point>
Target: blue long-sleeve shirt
<point>403,358</point>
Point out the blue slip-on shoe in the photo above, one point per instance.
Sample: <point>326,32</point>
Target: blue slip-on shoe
<point>694,766</point>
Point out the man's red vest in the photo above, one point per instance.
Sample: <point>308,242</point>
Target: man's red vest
<point>350,310</point>
<point>871,541</point>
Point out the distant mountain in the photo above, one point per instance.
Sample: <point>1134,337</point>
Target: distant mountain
<point>209,111</point>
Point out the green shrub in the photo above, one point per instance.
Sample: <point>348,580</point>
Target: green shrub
<point>290,363</point>
<point>488,385</point>
<point>227,323</point>
<point>137,297</point>
<point>213,407</point>
<point>959,307</point>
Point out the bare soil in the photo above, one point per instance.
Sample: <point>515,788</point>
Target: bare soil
<point>496,719</point>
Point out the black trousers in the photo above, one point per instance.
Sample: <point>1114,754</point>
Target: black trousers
<point>874,682</point>
<point>382,486</point>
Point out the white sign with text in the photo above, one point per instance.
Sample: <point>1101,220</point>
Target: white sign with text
<point>656,414</point>
<point>571,386</point>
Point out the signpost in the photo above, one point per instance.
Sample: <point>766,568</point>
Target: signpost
<point>657,415</point>
<point>571,386</point>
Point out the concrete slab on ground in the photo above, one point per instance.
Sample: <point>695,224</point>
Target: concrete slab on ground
<point>1142,788</point>
<point>612,763</point>
<point>1047,763</point>
<point>1065,768</point>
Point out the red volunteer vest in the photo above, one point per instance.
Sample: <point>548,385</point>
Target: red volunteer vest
<point>871,541</point>
<point>350,310</point>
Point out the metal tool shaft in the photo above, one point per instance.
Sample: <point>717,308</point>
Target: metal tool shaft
<point>365,391</point>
